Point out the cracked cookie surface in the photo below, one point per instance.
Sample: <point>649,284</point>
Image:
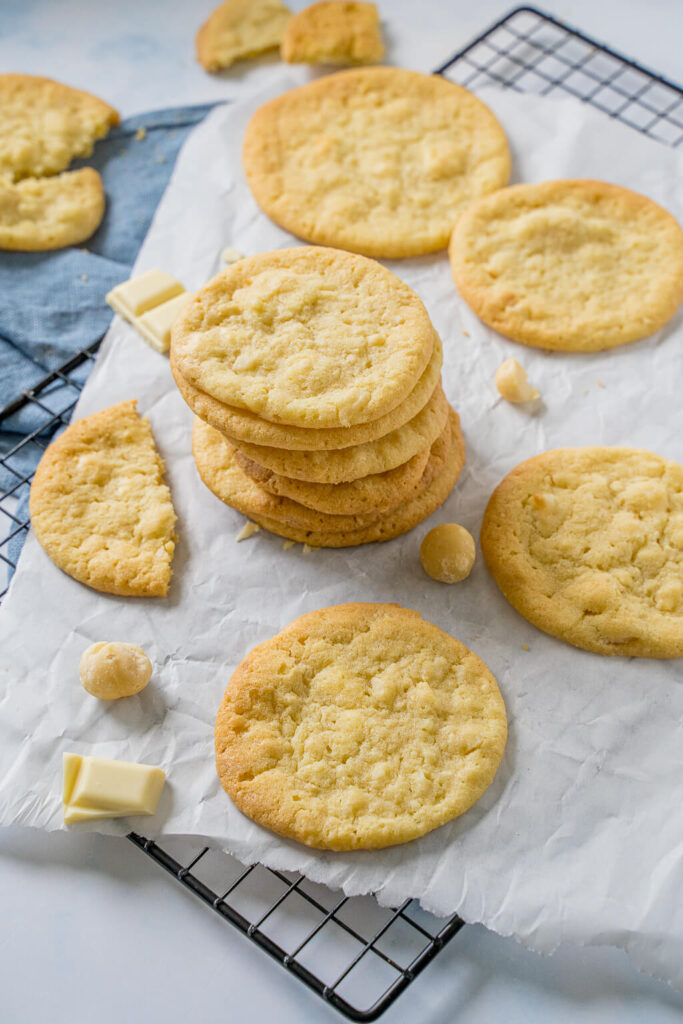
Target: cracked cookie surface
<point>587,544</point>
<point>357,727</point>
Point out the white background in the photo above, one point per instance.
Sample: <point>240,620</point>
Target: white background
<point>89,926</point>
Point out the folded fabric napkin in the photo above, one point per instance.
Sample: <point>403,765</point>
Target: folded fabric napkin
<point>52,303</point>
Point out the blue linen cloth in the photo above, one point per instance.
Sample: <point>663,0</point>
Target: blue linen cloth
<point>52,303</point>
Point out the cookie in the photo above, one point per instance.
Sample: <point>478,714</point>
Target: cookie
<point>243,425</point>
<point>577,266</point>
<point>380,161</point>
<point>347,464</point>
<point>309,337</point>
<point>50,213</point>
<point>379,493</point>
<point>587,544</point>
<point>45,125</point>
<point>358,727</point>
<point>446,460</point>
<point>217,465</point>
<point>99,506</point>
<point>333,32</point>
<point>238,29</point>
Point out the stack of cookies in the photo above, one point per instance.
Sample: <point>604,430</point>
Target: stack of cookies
<point>315,376</point>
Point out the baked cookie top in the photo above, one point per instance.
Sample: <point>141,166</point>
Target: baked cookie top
<point>578,266</point>
<point>333,32</point>
<point>359,726</point>
<point>238,29</point>
<point>376,160</point>
<point>100,508</point>
<point>587,544</point>
<point>45,125</point>
<point>308,336</point>
<point>446,459</point>
<point>243,425</point>
<point>346,464</point>
<point>50,213</point>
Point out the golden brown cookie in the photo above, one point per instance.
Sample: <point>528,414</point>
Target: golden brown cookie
<point>45,125</point>
<point>577,266</point>
<point>346,464</point>
<point>50,213</point>
<point>239,29</point>
<point>380,161</point>
<point>378,493</point>
<point>99,506</point>
<point>333,32</point>
<point>243,425</point>
<point>445,463</point>
<point>307,336</point>
<point>217,465</point>
<point>359,727</point>
<point>587,544</point>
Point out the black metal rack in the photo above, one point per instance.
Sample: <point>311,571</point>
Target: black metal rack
<point>358,956</point>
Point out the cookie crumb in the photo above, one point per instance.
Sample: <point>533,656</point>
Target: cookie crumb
<point>84,277</point>
<point>525,647</point>
<point>229,255</point>
<point>287,545</point>
<point>466,333</point>
<point>600,384</point>
<point>307,548</point>
<point>247,531</point>
<point>141,134</point>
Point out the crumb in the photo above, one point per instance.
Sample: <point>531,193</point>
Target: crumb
<point>84,277</point>
<point>84,250</point>
<point>140,134</point>
<point>600,384</point>
<point>512,384</point>
<point>287,545</point>
<point>466,333</point>
<point>161,159</point>
<point>229,255</point>
<point>525,647</point>
<point>307,548</point>
<point>585,391</point>
<point>247,531</point>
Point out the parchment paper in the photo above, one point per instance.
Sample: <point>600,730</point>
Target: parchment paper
<point>580,838</point>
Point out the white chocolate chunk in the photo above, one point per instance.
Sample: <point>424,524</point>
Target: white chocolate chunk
<point>97,787</point>
<point>134,297</point>
<point>229,255</point>
<point>512,383</point>
<point>155,325</point>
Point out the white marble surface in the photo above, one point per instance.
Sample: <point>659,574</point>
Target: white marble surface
<point>91,929</point>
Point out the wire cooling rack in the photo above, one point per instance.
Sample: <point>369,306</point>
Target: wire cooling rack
<point>358,956</point>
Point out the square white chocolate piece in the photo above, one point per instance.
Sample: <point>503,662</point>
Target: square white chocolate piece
<point>134,297</point>
<point>155,325</point>
<point>97,787</point>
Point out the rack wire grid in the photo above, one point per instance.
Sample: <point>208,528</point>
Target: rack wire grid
<point>358,956</point>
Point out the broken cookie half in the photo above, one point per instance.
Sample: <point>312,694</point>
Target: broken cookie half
<point>100,507</point>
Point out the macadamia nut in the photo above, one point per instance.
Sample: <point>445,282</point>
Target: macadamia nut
<point>447,553</point>
<point>512,383</point>
<point>113,670</point>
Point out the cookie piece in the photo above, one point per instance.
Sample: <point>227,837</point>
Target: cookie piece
<point>243,425</point>
<point>333,32</point>
<point>446,460</point>
<point>380,492</point>
<point>587,544</point>
<point>308,336</point>
<point>239,29</point>
<point>45,125</point>
<point>50,213</point>
<point>100,508</point>
<point>339,467</point>
<point>358,727</point>
<point>577,266</point>
<point>380,161</point>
